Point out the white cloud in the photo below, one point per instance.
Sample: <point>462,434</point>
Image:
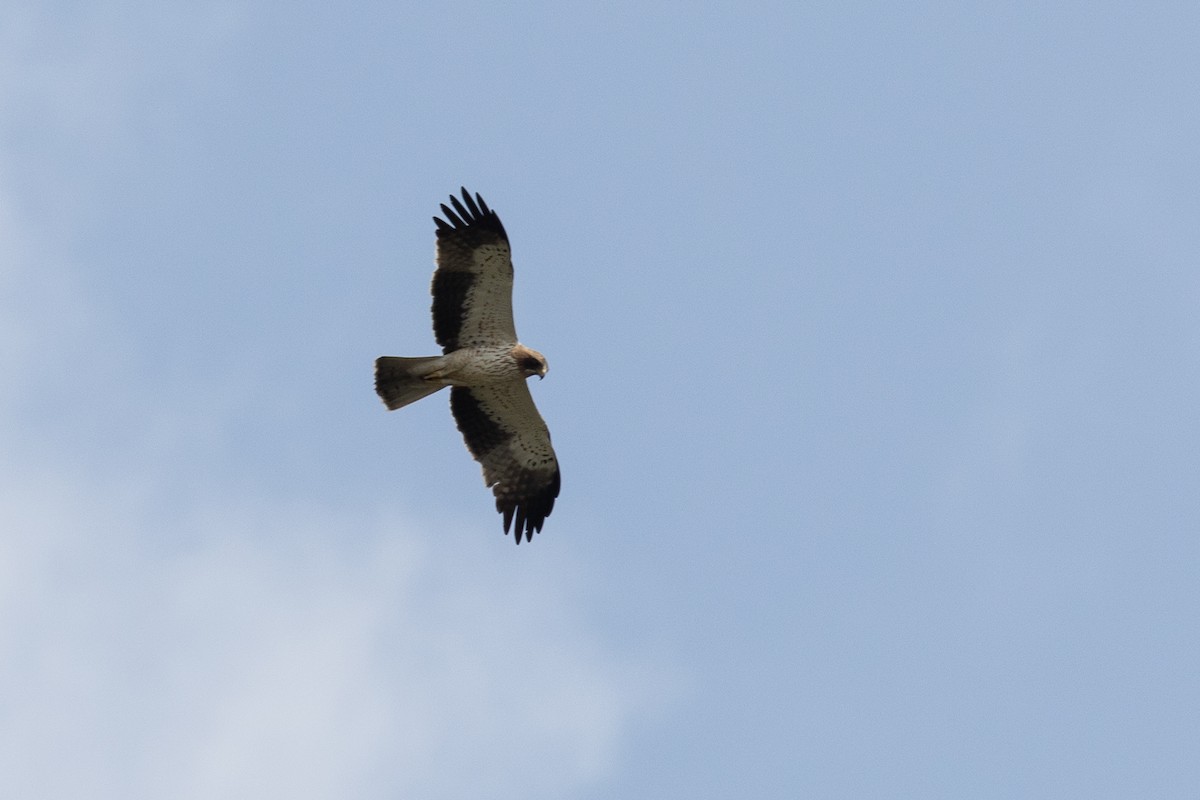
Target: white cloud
<point>249,643</point>
<point>287,652</point>
<point>245,643</point>
<point>265,646</point>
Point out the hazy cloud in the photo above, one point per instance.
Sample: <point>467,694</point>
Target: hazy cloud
<point>286,651</point>
<point>238,641</point>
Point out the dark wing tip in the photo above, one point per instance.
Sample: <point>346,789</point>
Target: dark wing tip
<point>530,509</point>
<point>471,214</point>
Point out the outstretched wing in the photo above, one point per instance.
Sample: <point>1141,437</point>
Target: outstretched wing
<point>472,286</point>
<point>505,433</point>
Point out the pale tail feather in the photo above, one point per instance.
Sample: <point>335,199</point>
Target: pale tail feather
<point>399,380</point>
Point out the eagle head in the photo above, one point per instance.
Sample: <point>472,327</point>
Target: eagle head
<point>530,362</point>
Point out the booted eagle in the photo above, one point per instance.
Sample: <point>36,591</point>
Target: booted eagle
<point>484,365</point>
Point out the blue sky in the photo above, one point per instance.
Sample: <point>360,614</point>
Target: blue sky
<point>873,341</point>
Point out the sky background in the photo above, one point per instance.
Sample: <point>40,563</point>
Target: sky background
<point>873,337</point>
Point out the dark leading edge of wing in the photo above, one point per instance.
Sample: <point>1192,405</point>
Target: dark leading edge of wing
<point>471,224</point>
<point>522,493</point>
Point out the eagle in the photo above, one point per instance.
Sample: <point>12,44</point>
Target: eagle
<point>484,365</point>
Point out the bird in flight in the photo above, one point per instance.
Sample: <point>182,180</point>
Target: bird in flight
<point>484,365</point>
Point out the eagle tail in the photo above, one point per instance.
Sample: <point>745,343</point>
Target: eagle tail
<point>400,381</point>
